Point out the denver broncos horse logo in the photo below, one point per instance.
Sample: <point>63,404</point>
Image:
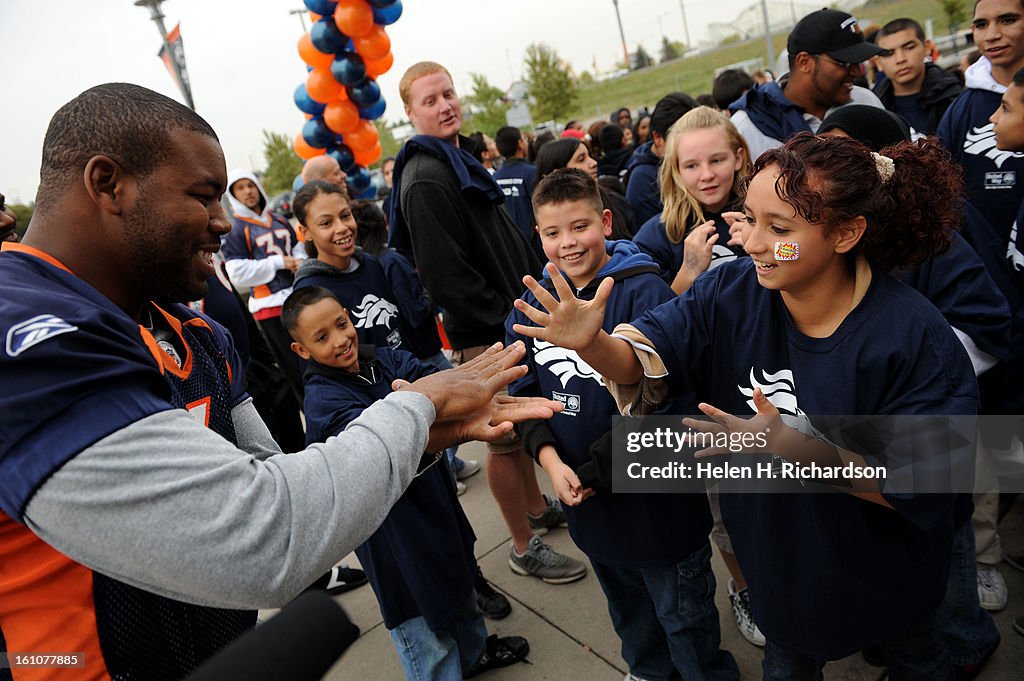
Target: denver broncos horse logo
<point>374,311</point>
<point>982,141</point>
<point>565,364</point>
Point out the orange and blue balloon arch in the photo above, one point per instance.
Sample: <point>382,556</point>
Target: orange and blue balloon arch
<point>345,51</point>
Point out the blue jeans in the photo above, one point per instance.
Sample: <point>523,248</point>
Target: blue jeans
<point>440,362</point>
<point>666,618</point>
<point>966,631</point>
<point>911,656</point>
<point>441,655</point>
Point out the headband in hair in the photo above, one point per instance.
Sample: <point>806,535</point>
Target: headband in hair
<point>884,165</point>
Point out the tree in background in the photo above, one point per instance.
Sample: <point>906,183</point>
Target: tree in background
<point>485,107</point>
<point>671,49</point>
<point>24,214</point>
<point>956,13</point>
<point>551,82</point>
<point>642,59</point>
<point>282,163</point>
<point>388,143</point>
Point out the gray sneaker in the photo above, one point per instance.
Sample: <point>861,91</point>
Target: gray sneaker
<point>553,516</point>
<point>543,562</point>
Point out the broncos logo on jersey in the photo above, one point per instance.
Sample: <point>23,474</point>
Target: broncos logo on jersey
<point>565,364</point>
<point>720,255</point>
<point>34,331</point>
<point>982,141</point>
<point>374,311</point>
<point>1013,252</point>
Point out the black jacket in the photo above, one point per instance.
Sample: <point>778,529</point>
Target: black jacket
<point>470,254</point>
<point>939,90</point>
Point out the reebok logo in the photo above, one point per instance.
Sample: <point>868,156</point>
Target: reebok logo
<point>34,331</point>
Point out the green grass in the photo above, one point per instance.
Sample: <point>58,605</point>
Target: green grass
<point>694,74</point>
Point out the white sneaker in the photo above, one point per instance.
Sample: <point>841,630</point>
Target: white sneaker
<point>460,488</point>
<point>468,470</point>
<point>992,591</point>
<point>744,617</point>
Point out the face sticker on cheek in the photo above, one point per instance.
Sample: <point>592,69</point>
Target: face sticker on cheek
<point>787,251</point>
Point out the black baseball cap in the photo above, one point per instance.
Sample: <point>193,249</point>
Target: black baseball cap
<point>831,32</point>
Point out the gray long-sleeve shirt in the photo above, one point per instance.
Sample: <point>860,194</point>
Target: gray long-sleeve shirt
<point>169,506</point>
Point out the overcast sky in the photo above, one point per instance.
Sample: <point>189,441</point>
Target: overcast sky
<point>244,66</point>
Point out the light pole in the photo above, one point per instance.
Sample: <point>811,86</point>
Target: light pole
<point>179,69</point>
<point>625,50</point>
<point>686,27</point>
<point>768,35</point>
<point>302,16</point>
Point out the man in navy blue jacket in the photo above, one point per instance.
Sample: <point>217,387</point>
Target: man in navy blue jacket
<point>517,177</point>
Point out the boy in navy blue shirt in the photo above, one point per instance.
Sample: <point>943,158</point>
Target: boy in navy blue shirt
<point>650,552</point>
<point>420,561</point>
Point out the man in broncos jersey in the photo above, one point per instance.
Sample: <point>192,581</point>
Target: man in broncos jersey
<point>145,511</point>
<point>263,252</point>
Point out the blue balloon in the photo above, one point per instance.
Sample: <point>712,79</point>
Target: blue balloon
<point>374,111</point>
<point>381,4</point>
<point>359,180</point>
<point>366,93</point>
<point>348,69</point>
<point>343,155</point>
<point>385,16</point>
<point>326,37</point>
<point>305,103</point>
<point>321,7</point>
<point>317,134</point>
<point>369,195</point>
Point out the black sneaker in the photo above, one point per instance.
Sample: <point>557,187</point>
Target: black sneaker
<point>499,652</point>
<point>492,604</point>
<point>341,579</point>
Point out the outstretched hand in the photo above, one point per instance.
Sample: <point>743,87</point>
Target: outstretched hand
<point>466,404</point>
<point>566,321</point>
<point>768,421</point>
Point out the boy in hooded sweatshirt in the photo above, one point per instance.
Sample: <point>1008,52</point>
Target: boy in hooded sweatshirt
<point>650,552</point>
<point>262,253</point>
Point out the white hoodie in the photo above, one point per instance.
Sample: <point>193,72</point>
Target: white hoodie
<point>249,273</point>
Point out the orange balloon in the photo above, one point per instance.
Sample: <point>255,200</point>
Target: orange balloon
<point>365,157</point>
<point>378,67</point>
<point>303,149</point>
<point>313,56</point>
<point>308,117</point>
<point>363,136</point>
<point>341,116</point>
<point>321,86</point>
<point>374,45</point>
<point>353,18</point>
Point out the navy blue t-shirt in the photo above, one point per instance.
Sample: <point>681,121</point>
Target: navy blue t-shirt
<point>367,295</point>
<point>616,529</point>
<point>420,560</point>
<point>517,179</point>
<point>653,240</point>
<point>828,573</point>
<point>906,106</point>
<point>415,305</point>
<point>994,179</point>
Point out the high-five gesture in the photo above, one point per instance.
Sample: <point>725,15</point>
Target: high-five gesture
<point>568,321</point>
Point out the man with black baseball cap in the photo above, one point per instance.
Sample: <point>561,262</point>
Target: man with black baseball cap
<point>826,49</point>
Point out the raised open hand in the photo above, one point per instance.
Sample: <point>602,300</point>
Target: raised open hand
<point>566,321</point>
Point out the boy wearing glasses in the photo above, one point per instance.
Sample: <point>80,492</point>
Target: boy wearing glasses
<point>420,561</point>
<point>826,49</point>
